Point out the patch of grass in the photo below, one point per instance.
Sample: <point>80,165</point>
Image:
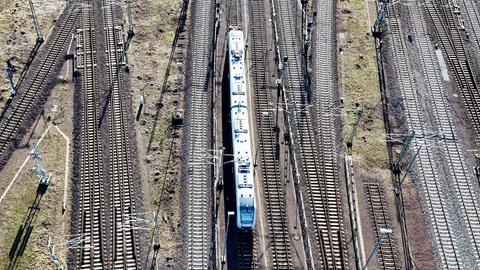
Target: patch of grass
<point>359,81</point>
<point>170,36</point>
<point>48,219</point>
<point>13,216</point>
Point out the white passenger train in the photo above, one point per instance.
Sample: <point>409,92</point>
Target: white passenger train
<point>239,118</point>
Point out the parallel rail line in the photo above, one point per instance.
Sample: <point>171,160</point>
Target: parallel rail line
<point>437,209</point>
<point>317,168</point>
<point>197,171</point>
<point>323,92</point>
<point>125,242</point>
<point>234,14</point>
<point>247,256</point>
<point>451,41</point>
<point>91,256</point>
<point>387,253</point>
<point>465,191</point>
<point>435,186</point>
<point>29,90</point>
<point>273,186</point>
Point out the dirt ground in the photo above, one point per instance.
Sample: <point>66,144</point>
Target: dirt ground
<point>155,23</point>
<point>18,35</point>
<point>17,39</point>
<point>49,220</point>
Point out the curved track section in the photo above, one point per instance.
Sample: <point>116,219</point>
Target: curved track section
<point>197,171</point>
<point>30,90</point>
<point>317,168</point>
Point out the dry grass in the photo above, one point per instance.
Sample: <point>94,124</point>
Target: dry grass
<point>359,84</point>
<point>48,221</point>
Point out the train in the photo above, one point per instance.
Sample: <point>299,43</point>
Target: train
<point>240,126</point>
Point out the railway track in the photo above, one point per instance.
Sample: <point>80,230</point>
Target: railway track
<point>435,200</point>
<point>466,193</point>
<point>472,13</point>
<point>451,41</point>
<point>273,186</point>
<point>246,240</point>
<point>30,90</point>
<point>92,209</point>
<point>198,216</point>
<point>317,166</point>
<point>234,14</point>
<point>246,250</point>
<point>323,92</point>
<point>436,188</point>
<point>121,176</point>
<point>387,253</point>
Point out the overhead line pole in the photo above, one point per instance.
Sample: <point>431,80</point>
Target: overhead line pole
<point>40,39</point>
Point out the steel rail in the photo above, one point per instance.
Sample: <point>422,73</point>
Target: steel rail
<point>466,193</point>
<point>198,191</point>
<point>125,242</point>
<point>324,202</point>
<point>91,256</point>
<point>29,90</point>
<point>273,186</point>
<point>378,209</point>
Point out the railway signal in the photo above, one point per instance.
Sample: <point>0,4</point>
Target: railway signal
<point>354,130</point>
<point>130,32</point>
<point>377,27</point>
<point>396,165</point>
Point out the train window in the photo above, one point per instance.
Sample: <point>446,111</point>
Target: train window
<point>243,169</point>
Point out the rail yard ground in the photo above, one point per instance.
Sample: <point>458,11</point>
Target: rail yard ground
<point>359,88</point>
<point>159,143</point>
<point>14,209</point>
<point>17,39</point>
<point>298,140</point>
<point>18,36</point>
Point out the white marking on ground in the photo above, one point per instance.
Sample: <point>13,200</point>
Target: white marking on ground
<point>23,165</point>
<point>443,65</point>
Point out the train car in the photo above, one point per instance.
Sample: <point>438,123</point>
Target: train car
<point>240,124</point>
